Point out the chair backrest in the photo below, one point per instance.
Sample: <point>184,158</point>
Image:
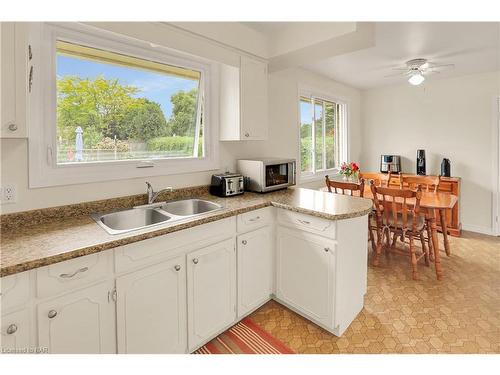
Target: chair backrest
<point>379,179</point>
<point>340,187</point>
<point>427,183</point>
<point>392,204</point>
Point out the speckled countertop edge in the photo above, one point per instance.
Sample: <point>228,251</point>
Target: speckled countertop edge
<point>277,199</point>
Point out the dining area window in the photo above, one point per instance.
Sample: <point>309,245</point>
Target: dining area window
<point>322,134</point>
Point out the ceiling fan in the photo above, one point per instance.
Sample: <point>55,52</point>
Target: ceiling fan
<point>417,69</point>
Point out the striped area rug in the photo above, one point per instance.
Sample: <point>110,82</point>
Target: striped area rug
<point>245,337</point>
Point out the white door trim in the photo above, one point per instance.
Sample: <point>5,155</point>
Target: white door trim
<point>495,220</point>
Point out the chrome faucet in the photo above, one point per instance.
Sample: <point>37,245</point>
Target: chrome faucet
<point>152,195</point>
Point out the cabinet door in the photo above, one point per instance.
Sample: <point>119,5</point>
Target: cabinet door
<point>305,264</point>
<point>151,309</point>
<point>255,269</point>
<point>254,110</point>
<point>13,79</point>
<point>82,322</point>
<point>8,82</point>
<point>15,333</point>
<point>211,291</point>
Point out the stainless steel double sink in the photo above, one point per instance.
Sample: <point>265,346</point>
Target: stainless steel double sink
<point>146,216</point>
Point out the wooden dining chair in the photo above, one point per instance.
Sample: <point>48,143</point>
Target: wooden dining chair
<point>427,183</point>
<point>398,216</point>
<point>345,188</point>
<point>341,187</point>
<point>379,179</point>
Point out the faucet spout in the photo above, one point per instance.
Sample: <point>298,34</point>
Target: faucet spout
<point>152,195</point>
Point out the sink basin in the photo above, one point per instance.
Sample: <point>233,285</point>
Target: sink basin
<point>153,214</point>
<point>127,220</point>
<point>189,207</point>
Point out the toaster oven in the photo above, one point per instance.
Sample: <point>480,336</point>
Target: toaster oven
<point>263,175</point>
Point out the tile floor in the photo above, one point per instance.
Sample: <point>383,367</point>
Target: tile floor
<point>460,314</point>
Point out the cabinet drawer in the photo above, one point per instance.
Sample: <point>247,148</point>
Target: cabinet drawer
<point>160,248</point>
<point>71,274</point>
<point>15,290</point>
<point>308,223</point>
<point>15,331</point>
<point>255,219</point>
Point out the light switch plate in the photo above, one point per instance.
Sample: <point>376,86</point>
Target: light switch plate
<point>8,193</point>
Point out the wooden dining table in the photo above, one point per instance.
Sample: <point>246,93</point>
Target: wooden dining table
<point>430,202</point>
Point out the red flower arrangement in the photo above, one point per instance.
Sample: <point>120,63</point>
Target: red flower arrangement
<point>349,169</point>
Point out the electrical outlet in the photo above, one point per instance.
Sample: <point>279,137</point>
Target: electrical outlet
<point>9,194</point>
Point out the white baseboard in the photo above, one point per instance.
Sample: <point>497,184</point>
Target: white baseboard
<point>479,229</point>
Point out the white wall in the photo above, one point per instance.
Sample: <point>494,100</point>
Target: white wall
<point>283,138</point>
<point>452,118</point>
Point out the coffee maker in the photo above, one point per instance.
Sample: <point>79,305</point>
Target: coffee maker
<point>421,162</point>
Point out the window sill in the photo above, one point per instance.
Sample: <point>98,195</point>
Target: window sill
<point>320,175</point>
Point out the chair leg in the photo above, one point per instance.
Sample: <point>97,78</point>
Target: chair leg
<point>424,249</point>
<point>378,249</point>
<point>372,239</point>
<point>429,241</point>
<point>413,259</point>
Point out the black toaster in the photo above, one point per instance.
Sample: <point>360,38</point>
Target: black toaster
<point>227,184</point>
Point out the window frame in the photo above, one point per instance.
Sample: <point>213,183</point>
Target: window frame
<point>43,168</point>
<point>319,174</point>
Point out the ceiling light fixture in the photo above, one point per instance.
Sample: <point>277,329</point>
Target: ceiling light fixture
<point>416,78</point>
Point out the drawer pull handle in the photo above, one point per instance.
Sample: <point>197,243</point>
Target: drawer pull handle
<point>244,242</point>
<point>52,314</point>
<point>254,219</point>
<point>11,329</point>
<point>70,275</point>
<point>195,260</point>
<point>177,267</point>
<point>327,249</point>
<point>12,127</point>
<point>304,222</point>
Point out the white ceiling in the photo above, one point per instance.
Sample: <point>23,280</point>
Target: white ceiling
<point>472,46</point>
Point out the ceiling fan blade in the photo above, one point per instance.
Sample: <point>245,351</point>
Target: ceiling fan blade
<point>402,74</point>
<point>439,66</point>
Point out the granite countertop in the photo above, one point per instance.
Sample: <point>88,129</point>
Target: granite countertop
<point>28,246</point>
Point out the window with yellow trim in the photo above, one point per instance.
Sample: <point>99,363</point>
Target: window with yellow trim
<point>114,107</point>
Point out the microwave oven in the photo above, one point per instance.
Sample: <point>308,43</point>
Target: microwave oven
<point>263,175</point>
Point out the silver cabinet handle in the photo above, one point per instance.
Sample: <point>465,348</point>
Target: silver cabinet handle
<point>247,135</point>
<point>52,314</point>
<point>244,242</point>
<point>177,267</point>
<point>70,275</point>
<point>11,329</point>
<point>254,219</point>
<point>12,127</point>
<point>195,260</point>
<point>327,249</point>
<point>304,221</point>
<point>30,79</point>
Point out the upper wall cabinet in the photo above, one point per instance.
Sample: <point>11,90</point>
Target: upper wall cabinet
<point>243,101</point>
<point>14,79</point>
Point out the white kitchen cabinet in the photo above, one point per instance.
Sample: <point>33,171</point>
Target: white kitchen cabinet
<point>13,79</point>
<point>151,309</point>
<point>305,273</point>
<point>81,322</point>
<point>16,331</point>
<point>255,269</point>
<point>244,101</point>
<point>211,285</point>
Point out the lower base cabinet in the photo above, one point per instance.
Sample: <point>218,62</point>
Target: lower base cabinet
<point>255,269</point>
<point>15,334</point>
<point>305,273</point>
<point>211,291</point>
<point>151,309</point>
<point>82,322</point>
